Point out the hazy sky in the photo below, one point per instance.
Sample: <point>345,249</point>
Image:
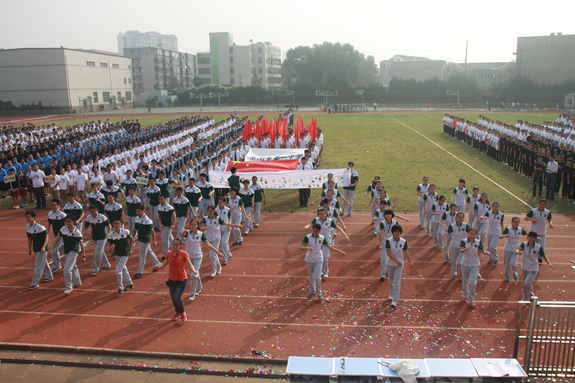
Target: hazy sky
<point>437,30</point>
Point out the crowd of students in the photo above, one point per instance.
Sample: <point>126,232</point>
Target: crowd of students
<point>542,153</point>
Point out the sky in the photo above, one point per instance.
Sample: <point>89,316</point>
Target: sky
<point>436,30</point>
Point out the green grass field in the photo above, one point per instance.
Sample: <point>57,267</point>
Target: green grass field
<point>380,145</point>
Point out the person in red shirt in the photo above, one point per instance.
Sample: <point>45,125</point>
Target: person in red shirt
<point>177,259</point>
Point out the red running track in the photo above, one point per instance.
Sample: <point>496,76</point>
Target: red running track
<point>258,302</point>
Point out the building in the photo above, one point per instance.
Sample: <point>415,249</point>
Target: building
<point>137,39</point>
<point>569,101</point>
<point>229,64</point>
<point>411,67</point>
<point>546,60</point>
<point>65,77</point>
<point>492,72</point>
<point>153,69</point>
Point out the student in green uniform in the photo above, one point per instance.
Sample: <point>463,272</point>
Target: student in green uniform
<point>182,206</point>
<point>234,179</point>
<point>153,193</point>
<point>56,221</point>
<point>113,209</point>
<point>131,202</point>
<point>531,253</point>
<point>99,224</point>
<point>194,195</point>
<point>38,243</point>
<point>167,217</point>
<point>207,191</point>
<point>73,246</point>
<point>74,209</point>
<point>349,191</point>
<point>259,197</point>
<point>129,182</point>
<point>164,184</point>
<point>144,228</point>
<point>247,196</point>
<point>97,199</point>
<point>121,242</point>
<point>112,189</point>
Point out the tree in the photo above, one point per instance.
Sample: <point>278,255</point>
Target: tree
<point>169,102</point>
<point>173,84</point>
<point>467,85</point>
<point>150,102</point>
<point>256,81</point>
<point>160,104</point>
<point>196,82</point>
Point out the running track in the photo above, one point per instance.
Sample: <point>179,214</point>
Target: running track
<point>258,300</point>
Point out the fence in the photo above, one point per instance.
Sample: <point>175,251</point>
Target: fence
<point>549,338</point>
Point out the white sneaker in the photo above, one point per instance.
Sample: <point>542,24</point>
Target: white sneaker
<point>213,274</point>
<point>192,297</point>
<point>219,271</point>
<point>67,291</point>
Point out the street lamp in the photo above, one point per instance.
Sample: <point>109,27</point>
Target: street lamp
<point>360,92</point>
<point>456,93</point>
<point>201,96</point>
<point>325,94</point>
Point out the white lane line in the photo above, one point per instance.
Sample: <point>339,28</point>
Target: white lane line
<point>465,163</point>
<point>203,321</point>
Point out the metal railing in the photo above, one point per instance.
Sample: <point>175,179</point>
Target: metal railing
<point>549,338</point>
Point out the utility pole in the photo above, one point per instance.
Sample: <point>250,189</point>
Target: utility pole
<point>465,65</point>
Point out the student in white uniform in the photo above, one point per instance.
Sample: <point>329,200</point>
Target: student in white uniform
<point>313,245</point>
<point>513,233</point>
<point>469,264</point>
<point>456,233</point>
<point>212,224</point>
<point>459,196</point>
<point>429,199</point>
<point>472,199</point>
<point>237,207</point>
<point>495,227</point>
<point>481,207</point>
<point>437,210</point>
<point>539,218</point>
<point>447,219</point>
<point>385,228</point>
<point>225,213</point>
<point>531,252</point>
<point>38,243</point>
<point>396,248</point>
<point>422,189</point>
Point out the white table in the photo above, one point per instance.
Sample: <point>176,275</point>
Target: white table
<point>388,372</point>
<point>513,366</point>
<point>310,366</point>
<point>451,368</point>
<point>358,367</point>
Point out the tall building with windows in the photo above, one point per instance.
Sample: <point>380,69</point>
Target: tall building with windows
<point>137,39</point>
<point>62,77</point>
<point>154,68</point>
<point>229,64</point>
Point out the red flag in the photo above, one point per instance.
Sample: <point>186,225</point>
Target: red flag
<point>273,130</point>
<point>247,130</point>
<point>266,128</point>
<point>283,129</point>
<point>311,128</point>
<point>263,166</point>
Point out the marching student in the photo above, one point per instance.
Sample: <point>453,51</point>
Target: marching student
<point>495,227</point>
<point>327,224</point>
<point>65,182</point>
<point>38,243</point>
<point>472,199</point>
<point>456,233</point>
<point>313,245</point>
<point>459,196</point>
<point>247,196</point>
<point>194,239</point>
<point>167,216</point>
<point>469,265</point>
<point>164,184</point>
<point>153,193</point>
<point>73,246</point>
<point>447,219</point>
<point>429,199</point>
<point>421,191</point>
<point>110,188</point>
<point>54,185</point>
<point>481,207</point>
<point>56,221</point>
<point>132,201</point>
<point>182,206</point>
<point>207,191</point>
<point>438,209</point>
<point>539,218</point>
<point>194,195</point>
<point>113,209</point>
<point>212,224</point>
<point>386,227</point>
<point>74,209</point>
<point>234,179</point>
<point>237,207</point>
<point>225,213</point>
<point>144,227</point>
<point>98,225</point>
<point>79,184</point>
<point>513,233</point>
<point>129,182</point>
<point>349,191</point>
<point>372,201</point>
<point>95,198</point>
<point>177,278</point>
<point>259,197</point>
<point>396,248</point>
<point>121,242</point>
<point>331,213</point>
<point>531,253</point>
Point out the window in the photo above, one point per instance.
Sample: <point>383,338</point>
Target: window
<point>106,96</point>
<point>95,97</point>
<point>128,96</point>
<point>252,59</point>
<point>260,60</point>
<point>260,50</point>
<point>203,60</point>
<point>129,67</point>
<point>125,81</point>
<point>260,70</point>
<point>204,71</point>
<point>116,66</point>
<point>231,59</point>
<point>104,65</point>
<point>90,63</point>
<point>231,70</point>
<point>231,49</point>
<point>119,95</point>
<point>232,80</point>
<point>129,80</point>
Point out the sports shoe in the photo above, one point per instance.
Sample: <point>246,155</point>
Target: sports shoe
<point>235,244</point>
<point>176,316</point>
<point>47,279</point>
<point>434,245</point>
<point>515,278</point>
<point>257,225</point>
<point>490,262</point>
<point>446,262</point>
<point>138,275</point>
<point>32,287</point>
<point>246,232</point>
<point>120,291</point>
<point>464,299</point>
<point>382,279</point>
<point>495,262</point>
<point>310,296</point>
<point>184,317</point>
<point>155,270</point>
<point>394,305</point>
<point>213,274</point>
<point>454,277</point>
<point>104,268</point>
<point>471,305</point>
<point>319,297</point>
<point>349,214</point>
<point>192,297</point>
<point>225,262</point>
<point>441,247</point>
<point>240,243</point>
<point>56,269</point>
<point>67,291</point>
<point>219,271</point>
<point>128,288</point>
<point>93,273</point>
<point>506,279</point>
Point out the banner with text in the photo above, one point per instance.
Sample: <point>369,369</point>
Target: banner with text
<point>262,166</point>
<point>255,154</point>
<point>292,179</point>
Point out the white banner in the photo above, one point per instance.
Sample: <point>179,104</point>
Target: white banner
<point>255,154</point>
<point>292,179</point>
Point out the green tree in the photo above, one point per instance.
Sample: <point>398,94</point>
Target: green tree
<point>196,82</point>
<point>169,102</point>
<point>173,84</point>
<point>467,85</point>
<point>150,102</point>
<point>256,81</point>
